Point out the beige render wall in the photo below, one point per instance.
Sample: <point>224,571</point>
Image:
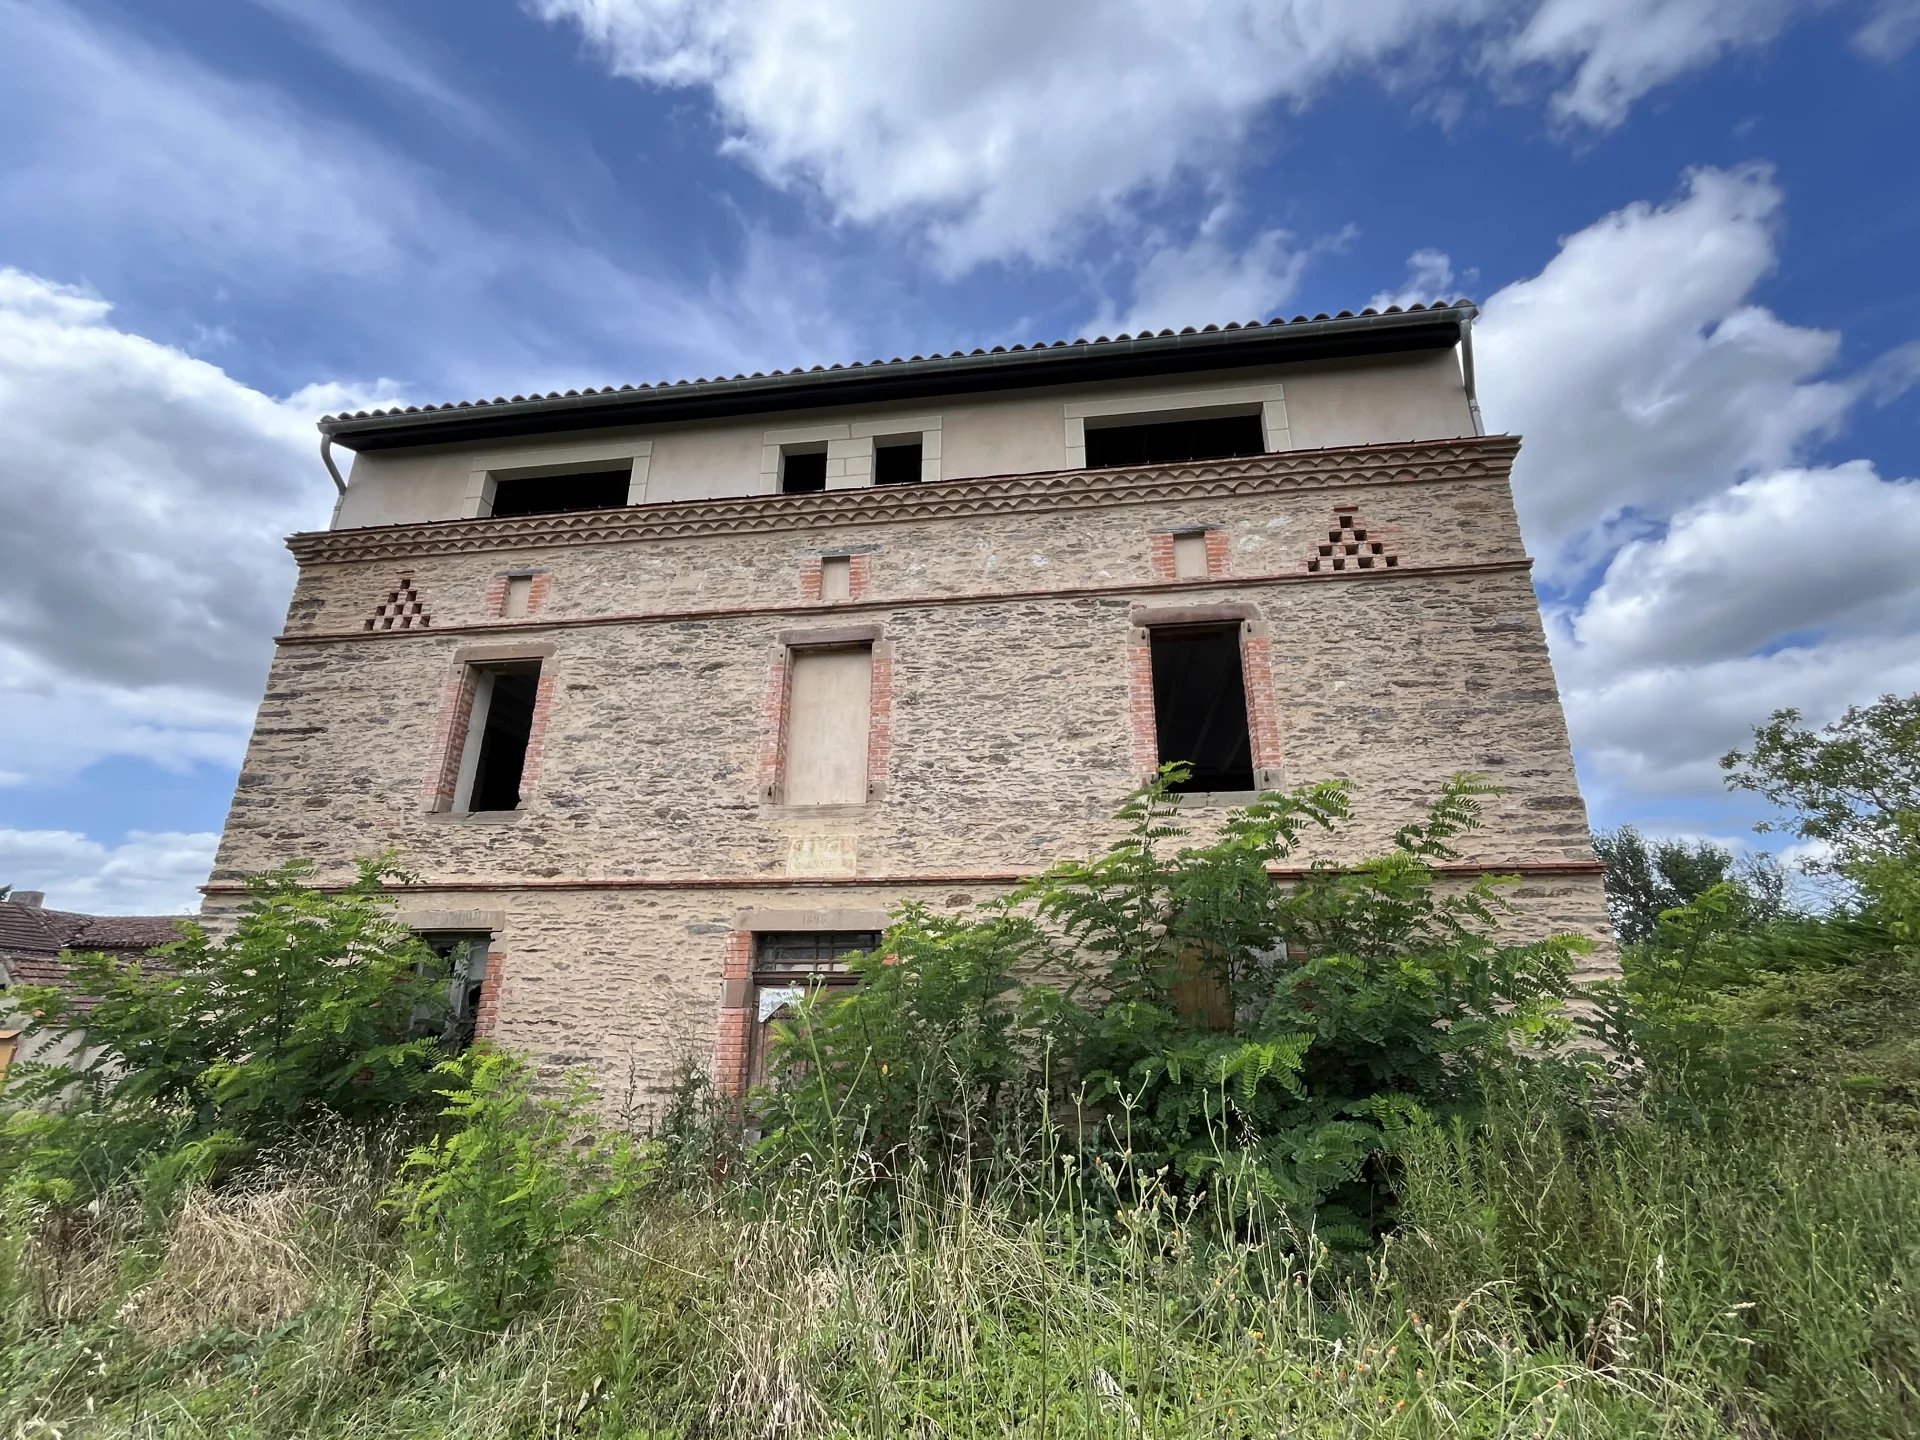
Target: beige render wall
<point>1418,397</point>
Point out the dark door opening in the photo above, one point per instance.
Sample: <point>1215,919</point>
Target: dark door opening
<point>1200,706</point>
<point>1162,442</point>
<point>504,740</point>
<point>554,494</point>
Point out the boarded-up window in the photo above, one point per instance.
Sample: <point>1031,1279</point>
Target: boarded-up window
<point>836,578</point>
<point>1190,556</point>
<point>519,596</point>
<point>828,706</point>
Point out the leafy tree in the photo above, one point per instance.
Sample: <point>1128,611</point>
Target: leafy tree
<point>1210,1019</point>
<point>1645,878</point>
<point>1853,785</point>
<point>311,1003</point>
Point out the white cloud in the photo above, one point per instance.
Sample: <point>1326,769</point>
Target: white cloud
<point>141,569</point>
<point>146,874</point>
<point>1002,126</point>
<point>1210,278</point>
<point>1890,31</point>
<point>1642,374</point>
<point>1430,277</point>
<point>1619,50</point>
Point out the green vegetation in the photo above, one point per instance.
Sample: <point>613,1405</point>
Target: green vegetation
<point>1304,1162</point>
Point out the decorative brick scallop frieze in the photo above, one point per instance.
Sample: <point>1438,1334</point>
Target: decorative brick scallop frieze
<point>1488,458</point>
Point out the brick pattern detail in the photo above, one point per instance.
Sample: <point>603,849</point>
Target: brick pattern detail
<point>733,1036</point>
<point>497,594</point>
<point>1263,721</point>
<point>1352,544</point>
<point>1145,731</point>
<point>1160,554</point>
<point>773,727</point>
<point>486,1016</point>
<point>1219,560</point>
<point>403,609</point>
<point>880,720</point>
<point>450,739</point>
<point>537,739</point>
<point>859,577</point>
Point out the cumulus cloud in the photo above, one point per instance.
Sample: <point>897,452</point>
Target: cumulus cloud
<point>141,569</point>
<point>1430,277</point>
<point>1001,126</point>
<point>1890,31</point>
<point>1644,376</point>
<point>146,874</point>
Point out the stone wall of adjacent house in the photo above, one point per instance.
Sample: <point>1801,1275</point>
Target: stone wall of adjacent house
<point>1012,727</point>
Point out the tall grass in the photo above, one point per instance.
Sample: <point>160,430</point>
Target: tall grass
<point>1560,1273</point>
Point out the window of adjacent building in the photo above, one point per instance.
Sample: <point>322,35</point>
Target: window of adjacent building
<point>555,494</point>
<point>787,967</point>
<point>803,469</point>
<point>836,577</point>
<point>829,705</point>
<point>499,730</point>
<point>1200,705</point>
<point>1161,442</point>
<point>460,961</point>
<point>896,462</point>
<point>1190,556</point>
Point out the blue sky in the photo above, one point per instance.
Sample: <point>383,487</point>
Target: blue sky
<point>1691,223</point>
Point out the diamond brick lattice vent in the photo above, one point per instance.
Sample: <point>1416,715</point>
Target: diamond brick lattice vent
<point>401,610</point>
<point>1351,545</point>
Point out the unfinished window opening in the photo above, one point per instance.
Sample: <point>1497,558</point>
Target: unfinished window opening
<point>836,577</point>
<point>499,730</point>
<point>460,961</point>
<point>1162,442</point>
<point>1190,556</point>
<point>787,967</point>
<point>829,709</point>
<point>1200,706</point>
<point>896,462</point>
<point>803,470</point>
<point>555,494</point>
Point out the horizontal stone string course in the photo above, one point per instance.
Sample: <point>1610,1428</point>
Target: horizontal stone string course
<point>910,602</point>
<point>1464,870</point>
<point>1486,458</point>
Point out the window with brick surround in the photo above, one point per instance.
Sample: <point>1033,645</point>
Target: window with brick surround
<point>460,959</point>
<point>829,714</point>
<point>1164,441</point>
<point>499,731</point>
<point>1200,705</point>
<point>788,966</point>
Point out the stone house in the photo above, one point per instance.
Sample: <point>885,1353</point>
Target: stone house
<point>669,693</point>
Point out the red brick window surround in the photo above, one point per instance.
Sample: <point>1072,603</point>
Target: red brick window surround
<point>777,706</point>
<point>836,579</point>
<point>453,732</point>
<point>1256,668</point>
<point>771,959</point>
<point>517,594</point>
<point>1195,554</point>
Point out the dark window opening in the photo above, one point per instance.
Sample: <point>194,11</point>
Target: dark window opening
<point>504,738</point>
<point>896,463</point>
<point>1162,442</point>
<point>804,473</point>
<point>460,960</point>
<point>552,494</point>
<point>1200,707</point>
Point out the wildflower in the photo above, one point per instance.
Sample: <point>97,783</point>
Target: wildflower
<point>1399,1406</point>
<point>1415,1319</point>
<point>1258,1334</point>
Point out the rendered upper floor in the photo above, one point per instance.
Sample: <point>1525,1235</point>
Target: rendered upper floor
<point>1343,381</point>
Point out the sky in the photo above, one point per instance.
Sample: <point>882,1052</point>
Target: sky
<point>1690,224</point>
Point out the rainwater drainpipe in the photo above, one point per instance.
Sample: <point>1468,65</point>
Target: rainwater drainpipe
<point>326,459</point>
<point>1466,368</point>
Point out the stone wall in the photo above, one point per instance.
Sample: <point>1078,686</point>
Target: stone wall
<point>1012,728</point>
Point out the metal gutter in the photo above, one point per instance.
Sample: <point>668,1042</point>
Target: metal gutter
<point>1435,327</point>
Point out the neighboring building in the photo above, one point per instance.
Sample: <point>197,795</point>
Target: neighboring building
<point>32,939</point>
<point>668,694</point>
